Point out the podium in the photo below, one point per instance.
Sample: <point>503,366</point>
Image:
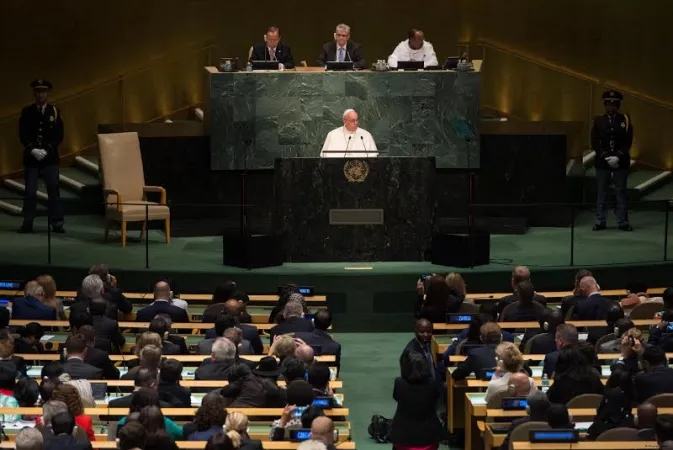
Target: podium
<point>354,209</point>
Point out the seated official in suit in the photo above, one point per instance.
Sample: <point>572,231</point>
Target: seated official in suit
<point>75,354</point>
<point>349,140</point>
<point>141,398</point>
<point>342,49</point>
<point>145,380</point>
<point>524,309</point>
<point>319,339</point>
<point>169,382</point>
<point>519,274</point>
<point>508,373</point>
<point>161,304</point>
<point>100,283</point>
<point>30,307</point>
<point>538,404</point>
<point>615,346</point>
<point>656,377</point>
<point>293,322</point>
<point>318,376</point>
<point>223,356</point>
<point>235,309</point>
<point>7,356</point>
<point>571,300</point>
<point>566,336</point>
<point>545,342</point>
<point>160,326</point>
<point>273,50</point>
<point>594,306</point>
<point>61,437</point>
<point>414,48</point>
<point>29,339</point>
<point>481,358</point>
<point>149,358</point>
<point>573,376</point>
<point>95,356</point>
<point>106,329</point>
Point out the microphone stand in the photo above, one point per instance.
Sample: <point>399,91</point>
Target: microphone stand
<point>362,138</point>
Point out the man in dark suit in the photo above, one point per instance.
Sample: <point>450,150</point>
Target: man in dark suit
<point>481,358</point>
<point>61,438</point>
<point>145,385</point>
<point>169,382</point>
<point>30,307</point>
<point>217,367</point>
<point>594,306</point>
<point>106,329</point>
<point>320,339</point>
<point>342,49</point>
<point>525,309</point>
<point>41,132</point>
<point>95,356</point>
<point>75,354</point>
<point>7,356</point>
<point>273,50</point>
<point>546,342</point>
<point>293,322</point>
<point>571,300</point>
<point>227,318</point>
<point>421,343</point>
<point>29,339</point>
<point>566,336</point>
<point>161,304</point>
<point>538,404</point>
<point>519,274</point>
<point>657,377</point>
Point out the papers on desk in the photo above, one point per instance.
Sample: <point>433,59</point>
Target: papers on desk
<point>18,425</point>
<point>582,336</point>
<point>47,337</point>
<point>34,372</point>
<point>582,426</point>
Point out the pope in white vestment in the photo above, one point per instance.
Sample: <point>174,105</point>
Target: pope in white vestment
<point>349,141</point>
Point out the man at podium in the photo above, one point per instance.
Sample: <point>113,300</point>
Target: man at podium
<point>349,141</point>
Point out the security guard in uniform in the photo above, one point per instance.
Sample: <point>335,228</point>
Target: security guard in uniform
<point>611,138</point>
<point>41,132</point>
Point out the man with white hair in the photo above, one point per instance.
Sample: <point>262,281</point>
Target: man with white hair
<point>293,321</point>
<point>342,49</point>
<point>29,439</point>
<point>30,307</point>
<point>221,360</point>
<point>349,140</point>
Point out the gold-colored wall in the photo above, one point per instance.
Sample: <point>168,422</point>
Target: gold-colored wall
<point>136,60</point>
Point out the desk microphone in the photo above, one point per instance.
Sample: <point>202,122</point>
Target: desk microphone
<point>347,144</point>
<point>362,138</point>
<point>349,55</point>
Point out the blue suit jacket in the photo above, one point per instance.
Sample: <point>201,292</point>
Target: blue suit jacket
<point>30,308</point>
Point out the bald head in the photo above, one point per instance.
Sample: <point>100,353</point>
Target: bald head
<point>322,429</point>
<point>304,353</point>
<point>162,291</point>
<point>232,307</point>
<point>588,285</point>
<point>519,385</point>
<point>647,416</point>
<point>351,120</point>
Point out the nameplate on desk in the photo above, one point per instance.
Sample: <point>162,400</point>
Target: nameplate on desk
<point>356,216</point>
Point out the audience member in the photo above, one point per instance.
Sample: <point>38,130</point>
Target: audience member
<point>29,439</point>
<point>614,313</point>
<point>664,428</point>
<point>223,356</point>
<point>662,334</point>
<point>142,398</point>
<point>318,376</point>
<point>645,421</point>
<point>62,426</point>
<point>246,390</point>
<point>162,304</point>
<point>546,341</point>
<point>161,326</point>
<point>470,337</point>
<point>438,300</point>
<point>525,309</point>
<point>282,347</point>
<point>538,405</point>
<point>415,423</point>
<point>49,410</point>
<point>7,384</point>
<point>566,336</point>
<point>292,369</point>
<point>667,298</point>
<point>69,395</point>
<point>26,392</point>
<point>558,417</point>
<point>169,382</point>
<point>224,441</point>
<point>637,295</point>
<point>209,419</point>
<point>132,436</point>
<point>510,361</point>
<point>47,386</point>
<point>237,421</point>
<point>320,339</point>
<point>174,296</point>
<point>75,354</point>
<point>4,319</point>
<point>481,358</point>
<point>293,320</point>
<point>593,306</point>
<point>144,380</point>
<point>571,301</point>
<point>97,357</point>
<point>168,336</point>
<point>304,353</point>
<point>107,330</point>
<point>299,396</point>
<point>615,407</point>
<point>632,348</point>
<point>142,341</point>
<point>243,347</point>
<point>457,285</point>
<point>30,307</point>
<point>615,346</point>
<point>421,343</point>
<point>223,322</point>
<point>519,274</point>
<point>7,357</point>
<point>322,429</point>
<point>150,358</point>
<point>573,376</point>
<point>656,377</point>
<point>117,302</point>
<point>233,308</point>
<point>49,295</point>
<point>285,292</point>
<point>29,339</point>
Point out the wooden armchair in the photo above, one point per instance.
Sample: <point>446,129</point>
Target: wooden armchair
<point>124,186</point>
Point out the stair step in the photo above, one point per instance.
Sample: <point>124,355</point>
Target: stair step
<point>12,202</point>
<point>90,163</point>
<point>78,178</point>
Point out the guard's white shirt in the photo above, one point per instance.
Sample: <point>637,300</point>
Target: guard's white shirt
<point>405,53</point>
<point>360,145</point>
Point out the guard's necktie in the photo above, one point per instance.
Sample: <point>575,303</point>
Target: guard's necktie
<point>341,54</point>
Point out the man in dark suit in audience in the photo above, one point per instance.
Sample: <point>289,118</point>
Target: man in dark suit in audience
<point>519,274</point>
<point>222,358</point>
<point>320,339</point>
<point>273,50</point>
<point>594,306</point>
<point>75,354</point>
<point>342,49</point>
<point>481,358</point>
<point>546,342</point>
<point>30,307</point>
<point>525,309</point>
<point>571,301</point>
<point>656,378</point>
<point>95,356</point>
<point>145,385</point>
<point>162,304</point>
<point>106,329</point>
<point>29,339</point>
<point>293,321</point>
<point>538,404</point>
<point>7,356</point>
<point>233,309</point>
<point>566,336</point>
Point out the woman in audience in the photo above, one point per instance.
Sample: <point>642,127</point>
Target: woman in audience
<point>288,292</point>
<point>283,346</point>
<point>510,361</point>
<point>415,423</point>
<point>152,419</point>
<point>221,441</point>
<point>573,376</point>
<point>457,286</point>
<point>209,418</point>
<point>238,422</point>
<point>49,288</point>
<point>472,336</point>
<point>615,345</point>
<point>162,327</point>
<point>145,339</point>
<point>69,395</point>
<point>615,408</point>
<point>438,300</point>
<point>26,393</point>
<point>150,397</point>
<point>49,410</point>
<point>632,348</point>
<point>47,387</point>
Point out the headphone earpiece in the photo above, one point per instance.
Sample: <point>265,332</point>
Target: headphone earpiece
<point>335,36</point>
<point>528,410</point>
<point>545,326</point>
<point>265,38</point>
<point>616,331</point>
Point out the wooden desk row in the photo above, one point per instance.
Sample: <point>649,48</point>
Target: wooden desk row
<point>199,445</point>
<point>181,358</point>
<point>515,325</point>
<point>336,384</point>
<point>601,356</point>
<point>104,411</point>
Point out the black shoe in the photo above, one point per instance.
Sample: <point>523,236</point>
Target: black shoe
<point>25,229</point>
<point>599,227</point>
<point>625,228</point>
<point>58,230</point>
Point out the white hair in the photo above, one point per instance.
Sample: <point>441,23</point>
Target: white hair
<point>33,289</point>
<point>312,444</point>
<point>347,112</point>
<point>223,349</point>
<point>344,27</point>
<point>92,286</point>
<point>29,439</point>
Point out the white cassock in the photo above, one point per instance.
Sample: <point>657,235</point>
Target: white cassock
<point>360,145</point>
<point>405,53</point>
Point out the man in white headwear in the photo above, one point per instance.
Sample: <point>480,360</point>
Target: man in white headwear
<point>349,141</point>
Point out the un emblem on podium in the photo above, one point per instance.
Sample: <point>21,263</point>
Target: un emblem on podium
<point>356,170</point>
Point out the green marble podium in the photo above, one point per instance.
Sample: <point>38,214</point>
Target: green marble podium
<point>256,117</point>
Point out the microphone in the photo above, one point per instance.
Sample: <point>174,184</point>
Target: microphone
<point>347,144</point>
<point>348,54</point>
<point>362,138</point>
